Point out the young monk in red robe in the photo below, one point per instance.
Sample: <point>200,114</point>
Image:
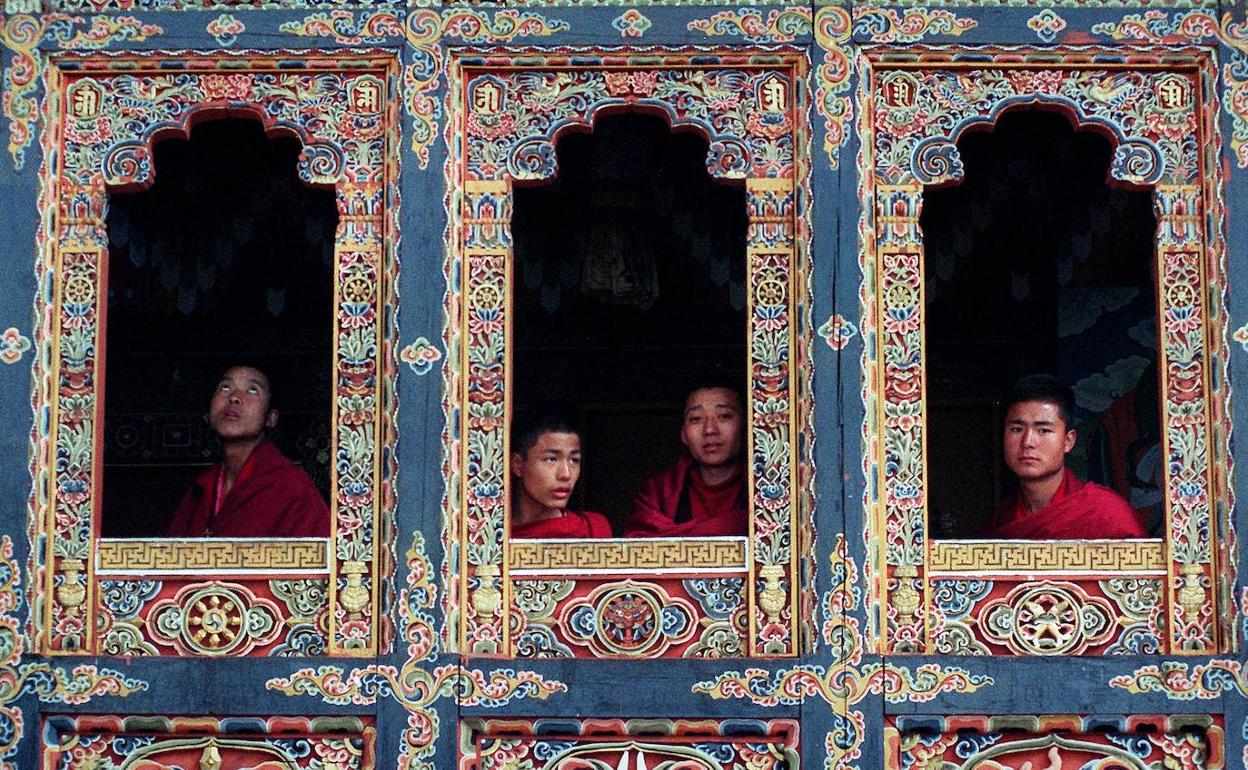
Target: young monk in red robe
<point>704,494</point>
<point>1052,503</point>
<point>546,463</point>
<point>254,491</point>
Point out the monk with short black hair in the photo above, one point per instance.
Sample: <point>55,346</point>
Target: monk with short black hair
<point>254,491</point>
<point>1051,502</point>
<point>546,464</point>
<point>704,494</point>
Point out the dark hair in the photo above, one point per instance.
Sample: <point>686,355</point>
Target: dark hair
<point>528,428</point>
<point>715,380</point>
<point>1047,389</point>
<point>259,368</point>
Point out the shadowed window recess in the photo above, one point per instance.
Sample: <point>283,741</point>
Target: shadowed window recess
<point>629,284</point>
<point>1035,263</point>
<point>225,259</point>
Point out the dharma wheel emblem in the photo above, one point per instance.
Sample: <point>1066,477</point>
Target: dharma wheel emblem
<point>79,289</point>
<point>214,619</point>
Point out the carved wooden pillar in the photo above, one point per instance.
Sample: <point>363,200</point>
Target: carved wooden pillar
<point>487,245</point>
<point>358,257</point>
<point>903,534</point>
<point>770,247</point>
<point>1185,400</point>
<point>81,271</point>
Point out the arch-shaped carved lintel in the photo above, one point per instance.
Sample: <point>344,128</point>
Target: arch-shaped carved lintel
<point>1137,161</point>
<point>728,157</point>
<point>128,165</point>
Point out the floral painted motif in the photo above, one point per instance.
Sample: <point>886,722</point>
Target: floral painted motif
<point>103,31</point>
<point>421,355</point>
<point>632,23</point>
<point>887,25</point>
<point>1047,24</point>
<point>12,345</point>
<point>225,29</point>
<point>502,26</point>
<point>1184,681</point>
<point>846,681</point>
<point>344,27</point>
<point>47,682</point>
<point>1235,75</point>
<point>23,36</point>
<point>779,26</point>
<point>832,32</point>
<point>1161,27</point>
<point>837,331</point>
<point>417,685</point>
<point>1241,336</point>
<point>424,30</point>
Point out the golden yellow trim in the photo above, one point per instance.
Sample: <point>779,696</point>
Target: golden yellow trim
<point>211,555</point>
<point>628,554</point>
<point>498,186</point>
<point>770,183</point>
<point>1063,556</point>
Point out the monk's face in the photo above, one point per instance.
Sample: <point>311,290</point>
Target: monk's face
<point>713,427</point>
<point>1037,440</point>
<point>239,410</point>
<point>547,472</point>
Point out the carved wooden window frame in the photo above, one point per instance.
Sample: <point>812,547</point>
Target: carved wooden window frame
<point>488,151</point>
<point>978,740</point>
<point>103,113</point>
<point>771,744</point>
<point>1165,137</point>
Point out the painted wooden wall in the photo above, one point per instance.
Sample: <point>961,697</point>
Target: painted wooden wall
<point>837,634</point>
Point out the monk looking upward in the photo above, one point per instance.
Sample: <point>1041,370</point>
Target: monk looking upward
<point>1051,502</point>
<point>546,463</point>
<point>704,493</point>
<point>254,491</point>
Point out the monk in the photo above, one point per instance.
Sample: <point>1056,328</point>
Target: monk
<point>1051,502</point>
<point>546,464</point>
<point>704,494</point>
<point>254,491</point>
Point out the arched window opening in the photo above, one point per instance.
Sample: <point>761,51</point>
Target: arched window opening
<point>629,289</point>
<point>1035,263</point>
<point>225,259</point>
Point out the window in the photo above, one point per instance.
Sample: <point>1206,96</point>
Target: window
<point>979,597</point>
<point>211,597</point>
<point>224,260</point>
<point>710,600</point>
<point>628,285</point>
<point>1035,264</point>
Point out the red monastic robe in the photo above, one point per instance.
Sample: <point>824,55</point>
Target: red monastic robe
<point>272,497</point>
<point>677,503</point>
<point>572,524</point>
<point>1079,511</point>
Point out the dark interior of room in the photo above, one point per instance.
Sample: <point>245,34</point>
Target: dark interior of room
<point>225,259</point>
<point>629,286</point>
<point>1035,264</point>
